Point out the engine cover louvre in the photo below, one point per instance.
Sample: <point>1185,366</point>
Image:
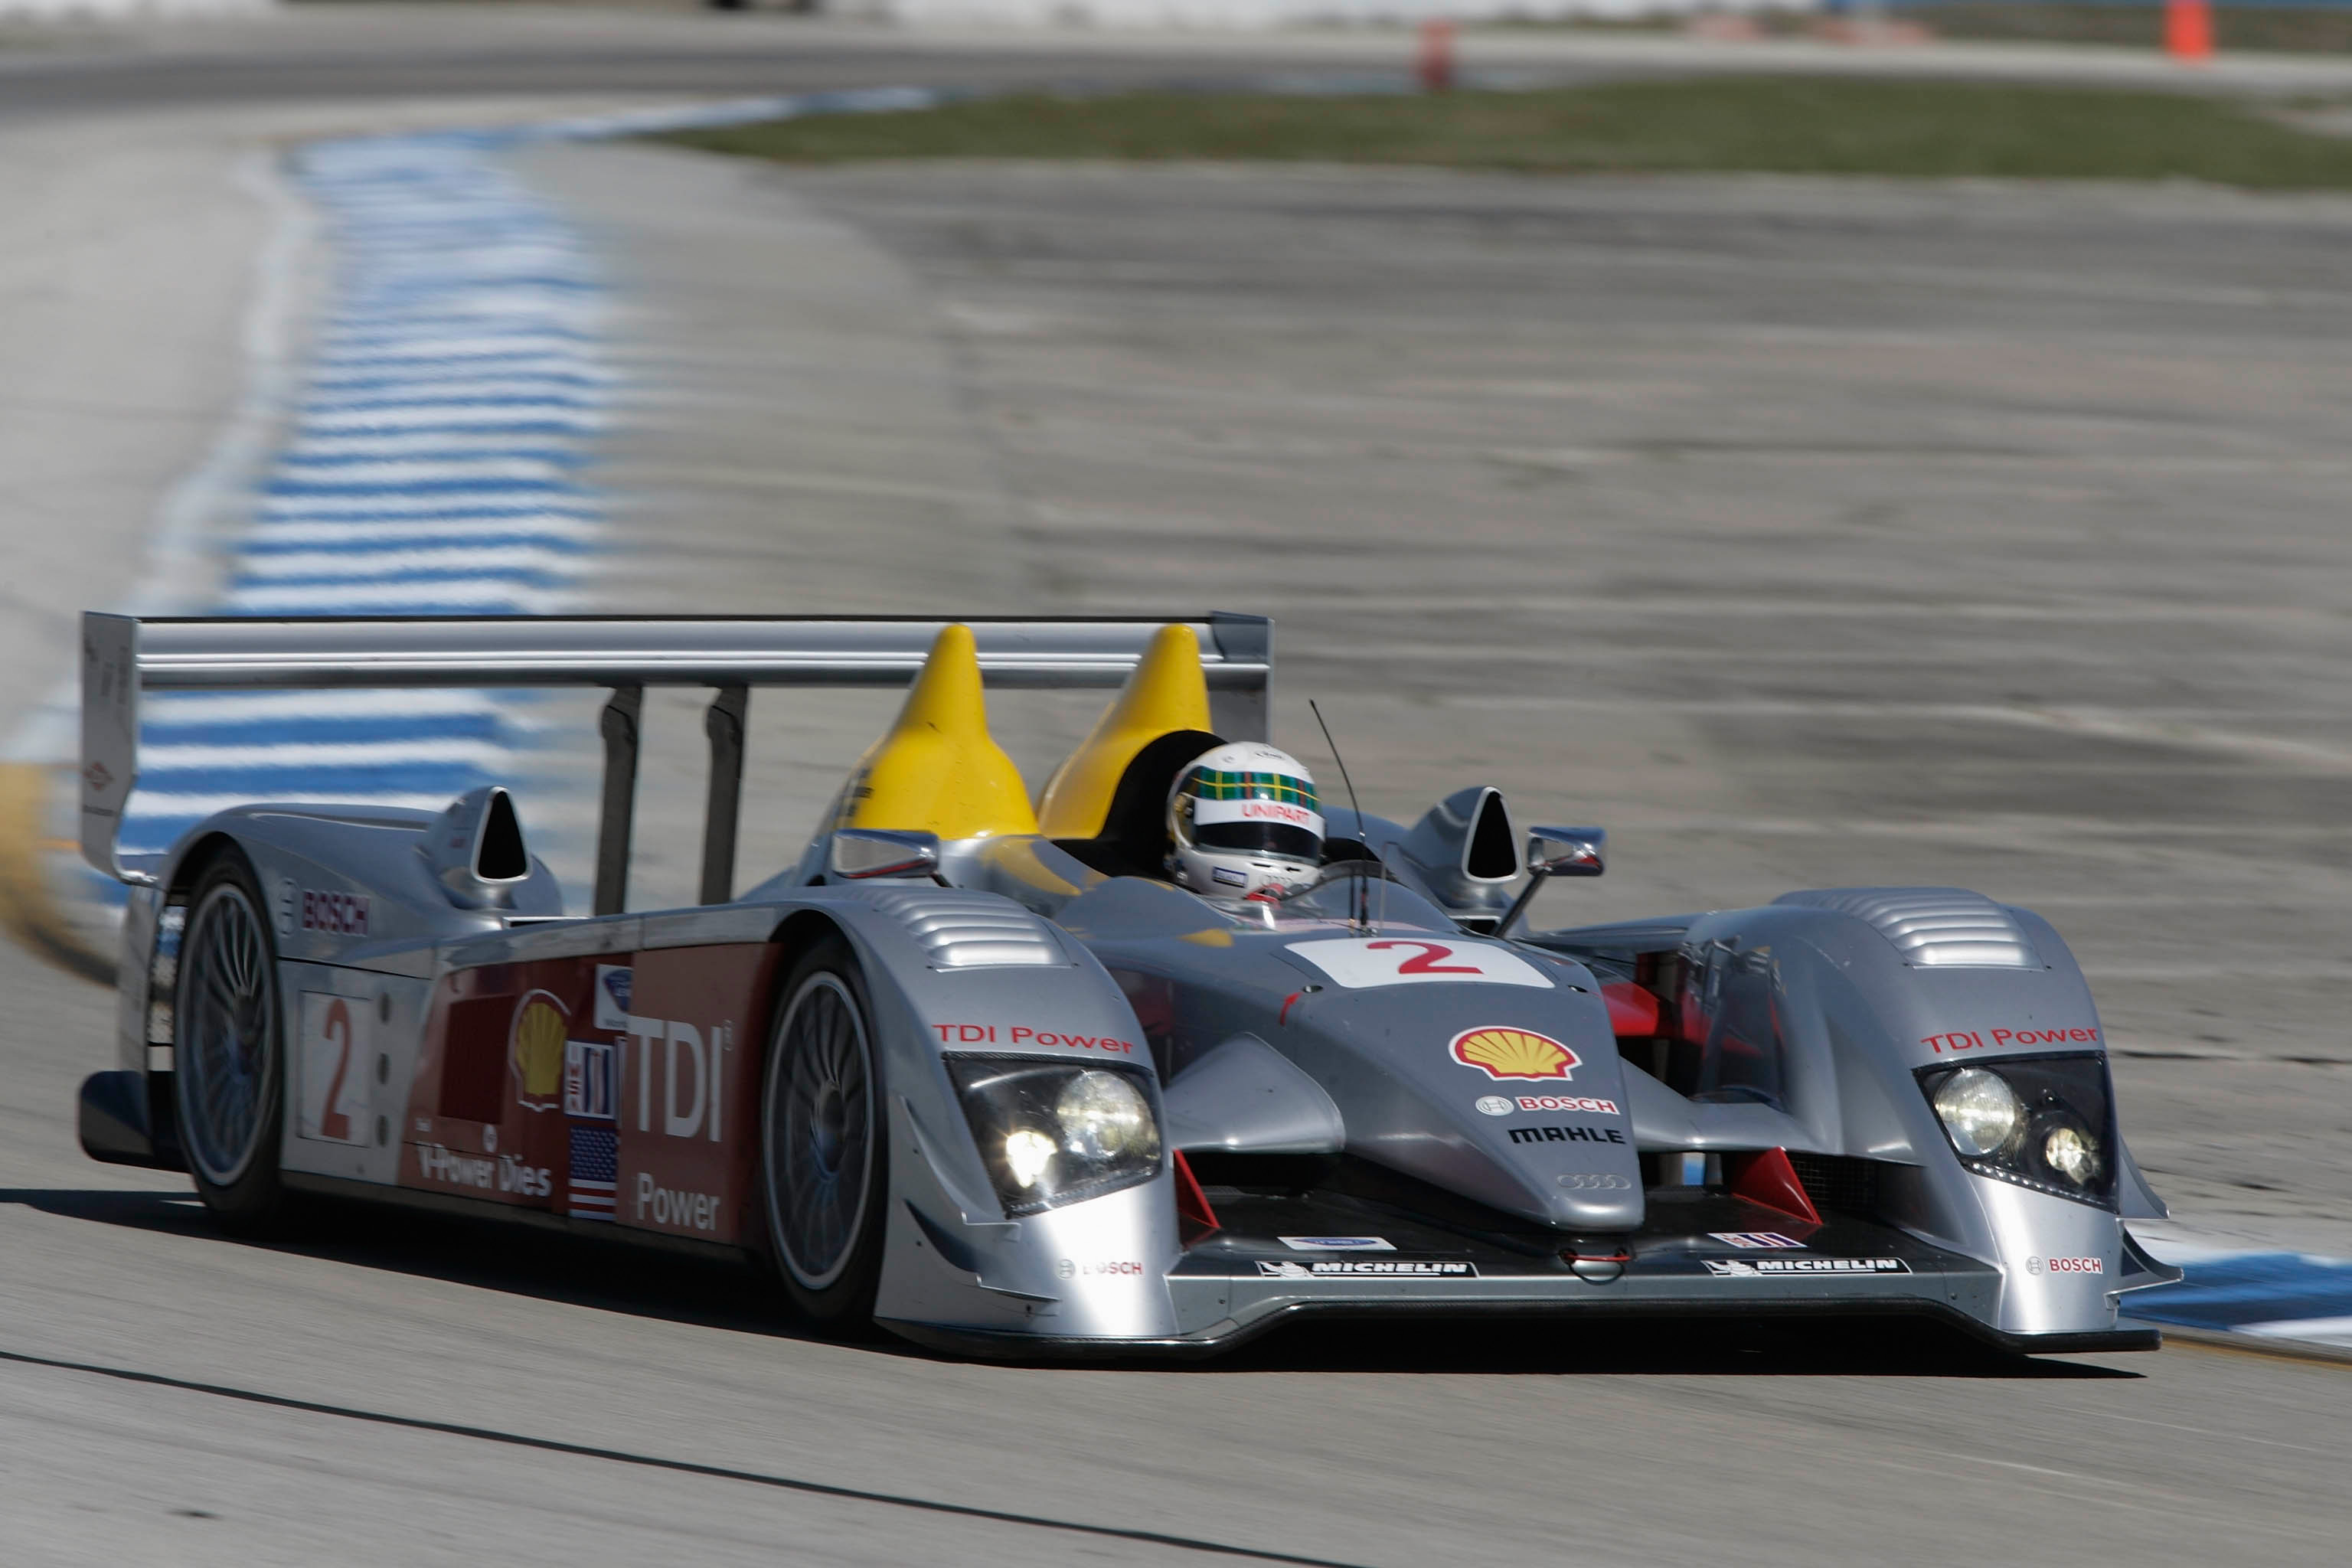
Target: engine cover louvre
<point>1933,928</point>
<point>960,930</point>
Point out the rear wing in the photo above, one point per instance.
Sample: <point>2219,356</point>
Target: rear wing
<point>122,656</point>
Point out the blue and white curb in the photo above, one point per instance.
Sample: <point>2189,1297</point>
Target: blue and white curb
<point>432,465</point>
<point>2296,1296</point>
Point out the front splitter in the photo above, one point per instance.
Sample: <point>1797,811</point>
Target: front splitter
<point>1219,1339</point>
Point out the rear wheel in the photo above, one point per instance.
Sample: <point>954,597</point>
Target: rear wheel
<point>228,1056</point>
<point>824,1161</point>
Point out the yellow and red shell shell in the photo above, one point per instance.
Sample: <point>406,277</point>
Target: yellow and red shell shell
<point>1503,1051</point>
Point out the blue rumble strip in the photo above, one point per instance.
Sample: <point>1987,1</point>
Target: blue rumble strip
<point>431,465</point>
<point>2274,1295</point>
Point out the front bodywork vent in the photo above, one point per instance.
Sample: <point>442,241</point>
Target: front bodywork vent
<point>960,930</point>
<point>1933,928</point>
<point>1838,1183</point>
<point>163,974</point>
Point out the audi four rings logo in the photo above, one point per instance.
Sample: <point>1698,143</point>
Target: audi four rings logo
<point>1593,1182</point>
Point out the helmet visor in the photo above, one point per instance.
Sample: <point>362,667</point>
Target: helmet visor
<point>1280,838</point>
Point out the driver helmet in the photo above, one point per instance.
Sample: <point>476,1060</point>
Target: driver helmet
<point>1244,822</point>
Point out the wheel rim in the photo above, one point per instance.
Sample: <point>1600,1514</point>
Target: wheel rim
<point>226,1025</point>
<point>820,1131</point>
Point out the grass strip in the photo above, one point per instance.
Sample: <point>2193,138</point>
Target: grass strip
<point>1793,125</point>
<point>2314,27</point>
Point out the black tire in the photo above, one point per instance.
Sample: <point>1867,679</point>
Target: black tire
<point>228,1058</point>
<point>824,1166</point>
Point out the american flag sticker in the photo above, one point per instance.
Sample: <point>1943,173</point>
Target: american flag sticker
<point>595,1171</point>
<point>590,1102</point>
<point>590,1091</point>
<point>1756,1238</point>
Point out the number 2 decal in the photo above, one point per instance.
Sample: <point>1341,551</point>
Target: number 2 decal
<point>332,1034</point>
<point>334,1123</point>
<point>1425,961</point>
<point>1359,963</point>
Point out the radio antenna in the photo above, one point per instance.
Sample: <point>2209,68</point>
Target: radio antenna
<point>1363,894</point>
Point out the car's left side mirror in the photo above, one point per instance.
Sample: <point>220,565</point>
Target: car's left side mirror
<point>858,853</point>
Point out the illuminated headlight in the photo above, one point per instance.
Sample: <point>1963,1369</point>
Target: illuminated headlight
<point>2073,1153</point>
<point>1056,1132</point>
<point>2038,1121</point>
<point>1027,1156</point>
<point>1979,1111</point>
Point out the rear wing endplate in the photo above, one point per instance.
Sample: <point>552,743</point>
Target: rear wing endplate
<point>122,656</point>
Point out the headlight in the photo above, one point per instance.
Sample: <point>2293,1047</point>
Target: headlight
<point>1056,1133</point>
<point>1105,1116</point>
<point>1979,1111</point>
<point>2071,1152</point>
<point>2042,1122</point>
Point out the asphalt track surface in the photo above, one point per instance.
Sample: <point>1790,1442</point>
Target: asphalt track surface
<point>1845,534</point>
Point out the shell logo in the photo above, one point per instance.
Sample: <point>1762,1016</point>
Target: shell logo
<point>1500,1051</point>
<point>535,1050</point>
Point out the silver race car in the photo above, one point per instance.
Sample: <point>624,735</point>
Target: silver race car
<point>973,1070</point>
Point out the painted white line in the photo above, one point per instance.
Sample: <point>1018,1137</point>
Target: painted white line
<point>395,599</point>
<point>360,564</point>
<point>238,707</point>
<point>551,526</point>
<point>550,376</point>
<point>166,805</point>
<point>387,445</point>
<point>400,600</point>
<point>400,352</point>
<point>399,472</point>
<point>2317,1331</point>
<point>456,412</point>
<point>436,511</point>
<point>300,754</point>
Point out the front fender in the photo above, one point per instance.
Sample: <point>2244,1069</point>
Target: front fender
<point>951,971</point>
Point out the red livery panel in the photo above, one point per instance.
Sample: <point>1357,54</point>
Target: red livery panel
<point>610,1088</point>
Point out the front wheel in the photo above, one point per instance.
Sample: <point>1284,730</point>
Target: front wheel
<point>825,1160</point>
<point>228,1057</point>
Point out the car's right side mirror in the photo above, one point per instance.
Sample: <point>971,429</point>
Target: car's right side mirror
<point>1566,851</point>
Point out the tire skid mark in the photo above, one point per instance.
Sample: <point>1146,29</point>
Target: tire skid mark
<point>679,1467</point>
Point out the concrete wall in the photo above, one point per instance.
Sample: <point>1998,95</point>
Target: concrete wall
<point>1278,12</point>
<point>126,10</point>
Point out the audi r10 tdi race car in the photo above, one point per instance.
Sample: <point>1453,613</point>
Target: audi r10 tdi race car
<point>975,1071</point>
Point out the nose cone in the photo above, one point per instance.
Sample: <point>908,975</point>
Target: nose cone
<point>1510,1096</point>
<point>1578,1169</point>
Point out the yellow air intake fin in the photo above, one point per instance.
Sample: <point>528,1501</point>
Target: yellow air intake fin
<point>1167,693</point>
<point>937,770</point>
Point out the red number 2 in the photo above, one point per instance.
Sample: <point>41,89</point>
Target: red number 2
<point>333,1123</point>
<point>1425,961</point>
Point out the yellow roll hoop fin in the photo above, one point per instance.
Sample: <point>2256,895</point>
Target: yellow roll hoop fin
<point>937,770</point>
<point>1166,693</point>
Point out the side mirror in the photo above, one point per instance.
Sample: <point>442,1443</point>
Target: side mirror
<point>856,854</point>
<point>1566,851</point>
<point>1554,852</point>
